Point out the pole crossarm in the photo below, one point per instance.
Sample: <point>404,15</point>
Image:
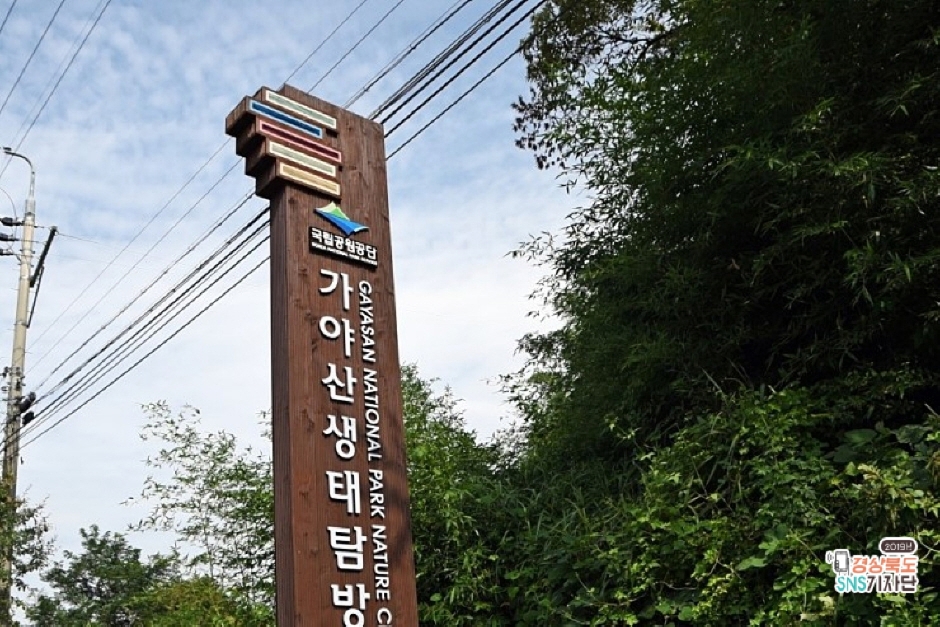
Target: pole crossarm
<point>37,275</point>
<point>36,279</point>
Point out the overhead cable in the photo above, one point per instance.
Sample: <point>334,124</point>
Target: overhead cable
<point>127,344</point>
<point>125,308</point>
<point>442,56</point>
<point>120,280</point>
<point>455,102</point>
<point>162,317</point>
<point>146,289</point>
<point>148,354</point>
<point>470,63</point>
<point>166,206</point>
<point>357,44</point>
<point>112,359</point>
<point>7,16</point>
<point>31,55</point>
<point>407,50</point>
<point>57,83</point>
<point>325,40</point>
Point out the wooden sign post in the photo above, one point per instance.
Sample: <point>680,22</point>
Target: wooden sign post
<point>343,548</point>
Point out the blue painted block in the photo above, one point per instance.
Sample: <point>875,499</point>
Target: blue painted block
<point>280,116</point>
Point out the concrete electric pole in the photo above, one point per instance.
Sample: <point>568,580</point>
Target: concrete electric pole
<point>15,398</point>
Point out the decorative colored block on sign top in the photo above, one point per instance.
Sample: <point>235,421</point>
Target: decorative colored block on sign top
<point>272,130</point>
<point>307,179</point>
<point>275,114</point>
<point>280,150</point>
<point>296,108</point>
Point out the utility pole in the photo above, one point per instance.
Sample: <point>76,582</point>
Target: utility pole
<point>15,398</point>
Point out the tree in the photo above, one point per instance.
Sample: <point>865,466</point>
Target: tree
<point>24,533</point>
<point>765,209</point>
<point>101,585</point>
<point>747,371</point>
<point>453,491</point>
<point>198,601</point>
<point>219,499</point>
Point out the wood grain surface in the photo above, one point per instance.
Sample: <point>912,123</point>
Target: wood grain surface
<point>306,565</point>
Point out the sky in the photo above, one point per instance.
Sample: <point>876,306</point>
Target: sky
<point>141,111</point>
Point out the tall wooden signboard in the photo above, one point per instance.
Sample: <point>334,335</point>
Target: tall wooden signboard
<point>342,525</point>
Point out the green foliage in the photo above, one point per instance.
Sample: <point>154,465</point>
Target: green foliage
<point>766,190</point>
<point>101,585</point>
<point>726,525</point>
<point>738,512</point>
<point>746,374</point>
<point>219,498</point>
<point>452,499</point>
<point>24,534</point>
<point>199,601</point>
<point>108,585</point>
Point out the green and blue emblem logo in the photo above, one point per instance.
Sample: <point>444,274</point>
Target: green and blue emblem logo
<point>335,215</point>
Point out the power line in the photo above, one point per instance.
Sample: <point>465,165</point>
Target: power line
<point>12,204</point>
<point>323,43</point>
<point>134,343</point>
<point>126,274</point>
<point>452,48</point>
<point>389,115</point>
<point>53,77</point>
<point>97,262</point>
<point>87,341</point>
<point>455,102</point>
<point>58,82</point>
<point>146,332</point>
<point>407,50</point>
<point>98,243</point>
<point>31,55</point>
<point>472,61</point>
<point>473,87</point>
<point>88,382</point>
<point>141,293</point>
<point>167,204</point>
<point>151,352</point>
<point>357,44</point>
<point>178,289</point>
<point>121,252</point>
<point>7,16</point>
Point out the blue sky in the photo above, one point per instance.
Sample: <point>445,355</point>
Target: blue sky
<point>141,110</point>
